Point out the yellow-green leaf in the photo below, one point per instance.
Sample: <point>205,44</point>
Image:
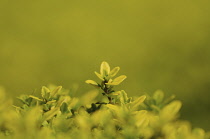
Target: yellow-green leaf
<point>105,69</point>
<point>99,75</point>
<point>123,97</point>
<point>198,133</point>
<point>170,111</point>
<point>117,80</point>
<point>158,96</point>
<point>56,91</point>
<point>134,105</point>
<point>113,72</point>
<point>113,107</point>
<point>36,98</point>
<point>91,82</point>
<point>48,115</point>
<point>89,97</point>
<point>45,92</point>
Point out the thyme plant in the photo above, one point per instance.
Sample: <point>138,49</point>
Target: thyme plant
<point>107,82</point>
<point>57,115</point>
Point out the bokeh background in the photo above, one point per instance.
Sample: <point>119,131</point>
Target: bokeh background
<point>158,45</point>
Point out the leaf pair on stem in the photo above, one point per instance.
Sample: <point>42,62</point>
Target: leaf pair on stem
<point>107,83</point>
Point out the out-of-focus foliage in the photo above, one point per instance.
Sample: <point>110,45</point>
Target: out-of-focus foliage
<point>110,114</point>
<point>159,45</point>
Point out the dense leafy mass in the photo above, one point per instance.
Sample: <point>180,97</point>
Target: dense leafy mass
<point>110,114</point>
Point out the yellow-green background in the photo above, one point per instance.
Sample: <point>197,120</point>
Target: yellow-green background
<point>158,45</point>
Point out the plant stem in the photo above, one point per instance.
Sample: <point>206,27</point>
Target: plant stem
<point>106,90</point>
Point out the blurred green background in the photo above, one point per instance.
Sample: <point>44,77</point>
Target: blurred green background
<point>158,45</point>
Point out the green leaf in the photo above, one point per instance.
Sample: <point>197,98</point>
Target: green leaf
<point>154,107</point>
<point>117,80</point>
<point>113,107</point>
<point>56,91</point>
<point>51,102</point>
<point>168,100</point>
<point>24,99</point>
<point>158,96</point>
<point>123,97</point>
<point>114,72</point>
<point>36,98</point>
<point>105,69</point>
<point>74,103</point>
<point>45,92</point>
<point>48,115</point>
<point>134,105</point>
<point>99,76</point>
<point>170,111</point>
<point>89,97</point>
<point>91,82</point>
<point>46,107</point>
<point>61,100</point>
<point>198,133</point>
<point>64,108</point>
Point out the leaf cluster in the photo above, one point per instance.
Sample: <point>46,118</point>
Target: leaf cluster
<point>57,115</point>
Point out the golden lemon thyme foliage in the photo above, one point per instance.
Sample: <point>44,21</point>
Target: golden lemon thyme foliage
<point>109,114</point>
<point>107,82</point>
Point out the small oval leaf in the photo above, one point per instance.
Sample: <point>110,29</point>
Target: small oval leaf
<point>113,72</point>
<point>99,76</point>
<point>91,82</point>
<point>105,69</point>
<point>117,80</point>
